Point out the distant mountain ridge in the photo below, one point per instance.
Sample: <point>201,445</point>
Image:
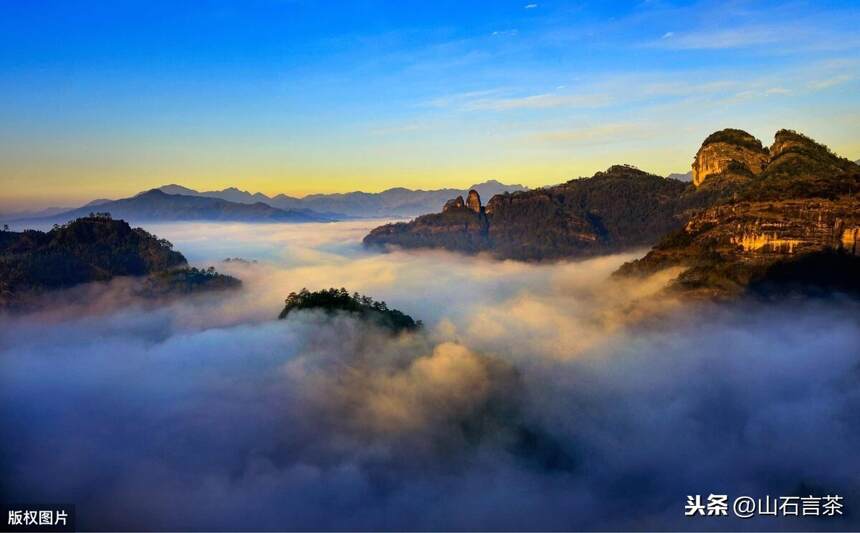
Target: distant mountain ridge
<point>398,201</point>
<point>156,205</point>
<point>681,176</point>
<point>620,208</point>
<point>46,212</point>
<point>33,213</point>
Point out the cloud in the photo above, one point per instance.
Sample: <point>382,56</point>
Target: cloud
<point>530,6</point>
<point>720,39</point>
<point>827,83</point>
<point>540,396</point>
<point>540,101</point>
<point>458,99</point>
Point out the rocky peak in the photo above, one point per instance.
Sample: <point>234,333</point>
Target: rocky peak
<point>454,203</point>
<point>729,151</point>
<point>473,202</point>
<point>791,141</point>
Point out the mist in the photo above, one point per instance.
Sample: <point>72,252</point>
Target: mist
<point>537,396</point>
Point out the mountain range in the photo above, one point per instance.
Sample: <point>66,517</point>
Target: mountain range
<point>396,202</point>
<point>753,216</point>
<point>681,176</point>
<point>752,219</point>
<point>157,206</point>
<point>620,208</point>
<point>178,203</point>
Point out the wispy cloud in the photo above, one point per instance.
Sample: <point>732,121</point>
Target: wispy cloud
<point>460,99</point>
<point>833,81</point>
<point>607,90</point>
<point>540,101</point>
<point>530,6</point>
<point>718,39</point>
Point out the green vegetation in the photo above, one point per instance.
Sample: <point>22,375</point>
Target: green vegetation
<point>802,168</point>
<point>187,281</point>
<point>93,248</point>
<point>736,137</point>
<point>339,300</point>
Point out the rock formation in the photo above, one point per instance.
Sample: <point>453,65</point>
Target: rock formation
<point>731,152</point>
<point>799,208</point>
<point>473,202</point>
<point>454,203</point>
<point>754,215</point>
<point>790,209</point>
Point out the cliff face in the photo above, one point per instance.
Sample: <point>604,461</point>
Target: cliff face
<point>799,210</point>
<point>755,231</point>
<point>620,208</point>
<point>732,154</point>
<point>473,202</point>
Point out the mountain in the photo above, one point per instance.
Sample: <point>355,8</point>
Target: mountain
<point>398,202</point>
<point>38,213</point>
<point>791,224</point>
<point>44,213</point>
<point>155,205</point>
<point>230,194</point>
<point>88,249</point>
<point>94,203</point>
<point>757,220</point>
<point>620,208</point>
<point>179,189</point>
<point>681,176</point>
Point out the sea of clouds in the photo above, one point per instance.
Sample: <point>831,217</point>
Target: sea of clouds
<point>538,396</point>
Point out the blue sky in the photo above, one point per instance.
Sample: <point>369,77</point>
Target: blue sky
<point>108,98</point>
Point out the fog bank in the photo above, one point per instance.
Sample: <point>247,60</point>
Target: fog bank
<point>537,397</point>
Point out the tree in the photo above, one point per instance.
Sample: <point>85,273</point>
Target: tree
<point>340,300</point>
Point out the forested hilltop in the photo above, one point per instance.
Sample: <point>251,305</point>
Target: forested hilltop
<point>93,248</point>
<point>331,301</point>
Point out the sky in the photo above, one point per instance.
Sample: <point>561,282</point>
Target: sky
<point>105,99</point>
